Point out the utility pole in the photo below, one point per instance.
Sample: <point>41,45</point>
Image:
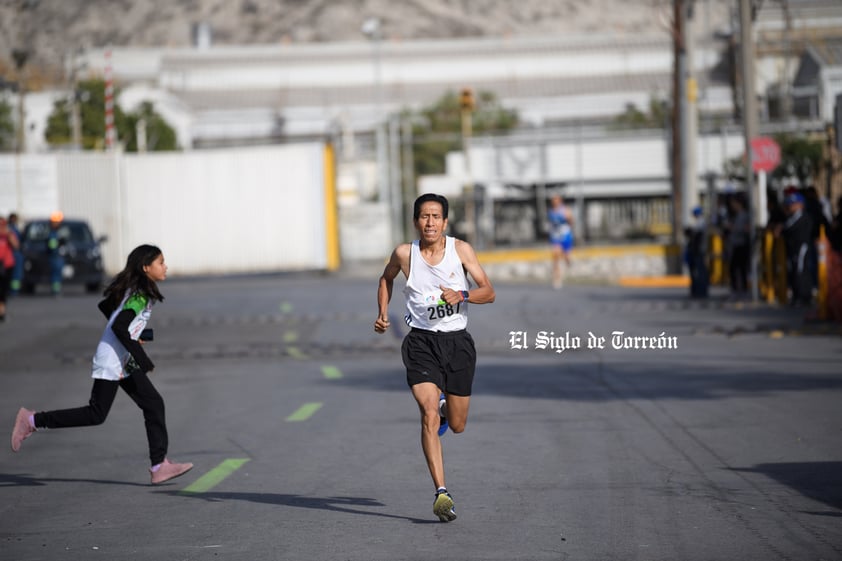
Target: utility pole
<point>690,115</point>
<point>749,114</point>
<point>685,120</point>
<point>677,156</point>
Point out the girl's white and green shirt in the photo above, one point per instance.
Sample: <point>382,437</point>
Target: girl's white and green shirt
<point>109,362</point>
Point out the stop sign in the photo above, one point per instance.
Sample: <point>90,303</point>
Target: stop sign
<point>765,154</point>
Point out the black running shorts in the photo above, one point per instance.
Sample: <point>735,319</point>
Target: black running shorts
<point>447,359</point>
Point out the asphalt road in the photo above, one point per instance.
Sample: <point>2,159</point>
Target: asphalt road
<point>306,439</point>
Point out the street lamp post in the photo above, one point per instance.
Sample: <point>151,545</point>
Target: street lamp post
<point>371,28</point>
<point>387,185</point>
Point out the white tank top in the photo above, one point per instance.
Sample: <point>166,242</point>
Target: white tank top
<point>424,307</point>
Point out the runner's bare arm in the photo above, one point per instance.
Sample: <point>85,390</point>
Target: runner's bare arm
<point>484,291</point>
<point>399,261</point>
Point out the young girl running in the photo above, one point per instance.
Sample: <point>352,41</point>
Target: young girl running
<point>120,362</point>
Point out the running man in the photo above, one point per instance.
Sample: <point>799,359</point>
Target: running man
<point>561,237</point>
<point>438,352</point>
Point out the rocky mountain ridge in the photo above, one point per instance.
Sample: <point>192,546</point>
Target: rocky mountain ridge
<point>50,29</point>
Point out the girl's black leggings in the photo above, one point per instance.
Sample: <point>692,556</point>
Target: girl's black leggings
<point>143,393</point>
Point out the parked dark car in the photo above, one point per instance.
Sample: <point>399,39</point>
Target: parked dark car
<point>81,251</point>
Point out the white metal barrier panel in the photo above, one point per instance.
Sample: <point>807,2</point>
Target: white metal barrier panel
<point>212,211</point>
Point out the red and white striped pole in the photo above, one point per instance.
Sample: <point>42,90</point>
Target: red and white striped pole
<point>110,137</point>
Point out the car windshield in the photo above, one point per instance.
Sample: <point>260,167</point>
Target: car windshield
<point>73,232</point>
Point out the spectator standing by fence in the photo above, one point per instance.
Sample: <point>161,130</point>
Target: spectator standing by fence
<point>798,237</point>
<point>17,271</point>
<point>739,247</point>
<point>9,243</point>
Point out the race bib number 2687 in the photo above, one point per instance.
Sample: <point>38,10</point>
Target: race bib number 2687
<point>442,310</point>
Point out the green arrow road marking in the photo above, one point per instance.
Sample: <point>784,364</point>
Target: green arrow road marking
<point>286,307</point>
<point>331,372</point>
<point>215,476</point>
<point>305,412</point>
<point>290,336</point>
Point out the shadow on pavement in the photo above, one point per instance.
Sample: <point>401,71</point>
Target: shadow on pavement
<point>581,381</point>
<point>819,481</point>
<point>15,480</point>
<point>579,377</point>
<point>763,315</point>
<point>335,504</point>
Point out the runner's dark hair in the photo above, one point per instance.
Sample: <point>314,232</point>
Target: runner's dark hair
<point>133,278</point>
<point>416,210</point>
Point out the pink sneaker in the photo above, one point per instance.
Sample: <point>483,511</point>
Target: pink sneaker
<point>22,428</point>
<point>169,470</point>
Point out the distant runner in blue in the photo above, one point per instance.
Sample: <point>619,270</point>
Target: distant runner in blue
<point>561,237</point>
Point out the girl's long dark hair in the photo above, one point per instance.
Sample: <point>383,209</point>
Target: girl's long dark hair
<point>133,278</point>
